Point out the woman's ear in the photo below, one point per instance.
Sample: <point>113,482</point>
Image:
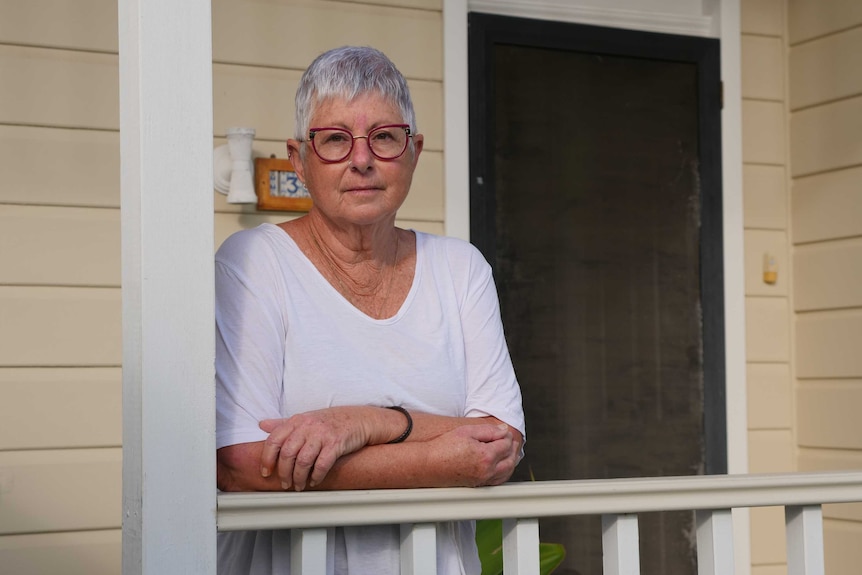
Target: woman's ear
<point>295,158</point>
<point>418,144</point>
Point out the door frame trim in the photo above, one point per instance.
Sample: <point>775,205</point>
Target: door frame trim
<point>725,25</point>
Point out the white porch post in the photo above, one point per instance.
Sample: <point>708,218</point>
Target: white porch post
<point>169,495</point>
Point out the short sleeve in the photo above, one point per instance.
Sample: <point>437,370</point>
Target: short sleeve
<point>250,335</point>
<point>492,387</point>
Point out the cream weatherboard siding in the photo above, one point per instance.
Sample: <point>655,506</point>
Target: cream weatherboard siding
<point>60,454</point>
<point>825,40</point>
<point>766,217</point>
<point>60,324</point>
<point>60,442</point>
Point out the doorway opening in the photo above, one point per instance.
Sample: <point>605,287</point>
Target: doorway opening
<point>595,195</point>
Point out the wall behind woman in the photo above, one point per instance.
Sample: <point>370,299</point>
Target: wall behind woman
<point>60,324</point>
<point>768,316</point>
<point>824,42</point>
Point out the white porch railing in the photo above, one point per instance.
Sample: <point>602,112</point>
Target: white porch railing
<point>618,501</point>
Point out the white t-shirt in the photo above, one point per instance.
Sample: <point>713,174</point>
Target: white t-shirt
<point>287,342</point>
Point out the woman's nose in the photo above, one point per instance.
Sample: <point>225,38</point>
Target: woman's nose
<point>361,157</point>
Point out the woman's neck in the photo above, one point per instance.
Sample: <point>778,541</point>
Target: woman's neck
<point>364,267</point>
<point>372,245</point>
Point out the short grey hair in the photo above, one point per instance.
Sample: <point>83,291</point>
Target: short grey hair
<point>348,72</point>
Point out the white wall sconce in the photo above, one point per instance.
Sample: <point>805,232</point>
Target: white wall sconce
<point>232,166</point>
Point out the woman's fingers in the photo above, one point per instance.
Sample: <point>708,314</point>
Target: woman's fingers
<point>303,448</point>
<point>269,455</point>
<point>295,465</point>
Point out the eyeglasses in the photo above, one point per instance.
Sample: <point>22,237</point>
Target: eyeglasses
<point>335,144</point>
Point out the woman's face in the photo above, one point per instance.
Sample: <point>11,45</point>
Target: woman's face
<point>362,189</point>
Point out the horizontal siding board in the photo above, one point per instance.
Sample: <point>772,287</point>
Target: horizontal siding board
<point>758,244</point>
<point>827,344</point>
<point>59,88</point>
<point>259,98</point>
<point>769,396</point>
<point>768,544</point>
<point>762,68</point>
<point>764,17</point>
<point>763,132</point>
<point>291,34</point>
<point>841,549</point>
<point>814,18</point>
<point>426,200</point>
<point>80,25</point>
<point>60,490</point>
<point>847,511</point>
<point>227,224</point>
<point>60,326</point>
<point>65,246</point>
<point>76,553</point>
<point>764,197</point>
<point>829,460</point>
<point>52,408</point>
<point>437,228</point>
<point>828,414</point>
<point>833,460</point>
<point>826,69</point>
<point>827,137</point>
<point>767,329</point>
<point>422,4</point>
<point>827,206</point>
<point>828,275</point>
<point>59,166</point>
<point>262,98</point>
<point>770,451</point>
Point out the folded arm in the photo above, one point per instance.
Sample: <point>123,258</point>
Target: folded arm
<point>346,448</point>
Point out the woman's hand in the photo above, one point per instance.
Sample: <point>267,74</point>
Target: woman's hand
<point>303,448</point>
<point>480,454</point>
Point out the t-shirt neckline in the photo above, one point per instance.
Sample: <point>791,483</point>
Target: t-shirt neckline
<point>326,285</point>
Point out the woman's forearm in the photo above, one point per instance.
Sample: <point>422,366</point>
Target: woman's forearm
<point>465,455</point>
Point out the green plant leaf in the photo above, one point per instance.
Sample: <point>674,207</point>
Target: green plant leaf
<point>550,557</point>
<point>489,540</point>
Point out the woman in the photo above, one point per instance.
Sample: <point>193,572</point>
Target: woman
<point>352,354</point>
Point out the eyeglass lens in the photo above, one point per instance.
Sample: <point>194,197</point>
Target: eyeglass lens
<point>335,144</point>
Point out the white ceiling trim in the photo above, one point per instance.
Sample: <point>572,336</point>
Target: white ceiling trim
<point>566,11</point>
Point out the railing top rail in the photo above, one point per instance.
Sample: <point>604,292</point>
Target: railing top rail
<point>240,511</point>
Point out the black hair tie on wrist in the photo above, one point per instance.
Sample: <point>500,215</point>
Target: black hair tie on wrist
<point>407,431</point>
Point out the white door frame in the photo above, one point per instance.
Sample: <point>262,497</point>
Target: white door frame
<point>720,19</point>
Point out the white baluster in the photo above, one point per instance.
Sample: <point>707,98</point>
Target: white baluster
<point>418,549</point>
<point>308,551</point>
<point>521,546</point>
<point>804,540</point>
<point>714,542</point>
<point>620,544</point>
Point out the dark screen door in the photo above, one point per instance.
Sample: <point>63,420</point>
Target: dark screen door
<point>595,196</point>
